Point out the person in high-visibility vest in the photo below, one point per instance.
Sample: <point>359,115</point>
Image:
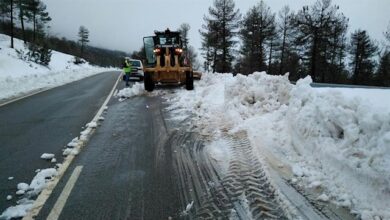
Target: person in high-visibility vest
<point>127,70</point>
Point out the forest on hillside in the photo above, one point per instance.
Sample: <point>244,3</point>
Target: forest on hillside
<point>312,41</point>
<point>29,20</point>
<point>315,41</point>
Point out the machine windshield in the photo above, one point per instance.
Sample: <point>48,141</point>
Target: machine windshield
<point>167,40</point>
<point>149,47</point>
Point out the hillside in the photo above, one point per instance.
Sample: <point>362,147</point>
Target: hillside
<point>20,77</point>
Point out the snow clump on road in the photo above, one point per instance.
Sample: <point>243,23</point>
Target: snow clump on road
<point>36,186</point>
<point>47,156</point>
<point>331,140</point>
<point>17,211</point>
<point>135,90</point>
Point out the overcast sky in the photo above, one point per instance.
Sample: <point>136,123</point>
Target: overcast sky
<point>121,24</point>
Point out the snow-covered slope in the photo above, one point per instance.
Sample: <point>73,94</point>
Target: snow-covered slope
<point>19,77</point>
<point>334,140</point>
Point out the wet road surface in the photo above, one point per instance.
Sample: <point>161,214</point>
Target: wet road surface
<point>141,164</point>
<point>45,123</point>
<point>127,168</point>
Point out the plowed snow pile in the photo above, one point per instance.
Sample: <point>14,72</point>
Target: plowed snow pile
<point>333,141</point>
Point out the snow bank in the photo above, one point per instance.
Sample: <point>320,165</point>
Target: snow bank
<point>348,142</point>
<point>378,98</point>
<point>19,77</point>
<point>135,90</point>
<point>332,140</point>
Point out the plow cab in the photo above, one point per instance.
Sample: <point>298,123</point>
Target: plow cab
<point>166,63</point>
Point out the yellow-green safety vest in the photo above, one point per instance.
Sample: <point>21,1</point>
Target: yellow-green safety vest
<point>127,68</point>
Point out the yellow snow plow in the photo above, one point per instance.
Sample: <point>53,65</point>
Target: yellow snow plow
<point>165,63</point>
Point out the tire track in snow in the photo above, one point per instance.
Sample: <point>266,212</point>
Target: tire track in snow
<point>245,192</point>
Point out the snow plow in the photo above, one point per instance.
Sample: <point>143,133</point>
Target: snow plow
<point>165,62</point>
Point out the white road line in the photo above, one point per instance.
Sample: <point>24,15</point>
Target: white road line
<point>25,96</point>
<point>44,195</point>
<point>99,113</point>
<point>61,201</point>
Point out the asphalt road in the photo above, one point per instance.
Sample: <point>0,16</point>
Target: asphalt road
<point>127,168</point>
<point>45,123</point>
<point>142,164</point>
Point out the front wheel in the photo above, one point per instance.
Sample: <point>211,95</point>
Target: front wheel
<point>189,80</point>
<point>148,82</point>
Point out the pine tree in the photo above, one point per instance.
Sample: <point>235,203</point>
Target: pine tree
<point>284,29</point>
<point>315,26</point>
<point>3,10</point>
<point>336,51</point>
<point>12,22</point>
<point>8,11</point>
<point>387,36</point>
<point>218,34</point>
<point>272,44</point>
<point>209,41</point>
<point>383,73</point>
<point>83,39</point>
<point>258,26</point>
<point>37,14</point>
<point>362,51</point>
<point>22,5</point>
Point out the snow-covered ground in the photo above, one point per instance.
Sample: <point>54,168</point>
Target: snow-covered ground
<point>333,139</point>
<point>19,77</point>
<point>336,140</point>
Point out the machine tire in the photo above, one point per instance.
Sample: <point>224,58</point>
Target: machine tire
<point>189,80</point>
<point>148,82</point>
